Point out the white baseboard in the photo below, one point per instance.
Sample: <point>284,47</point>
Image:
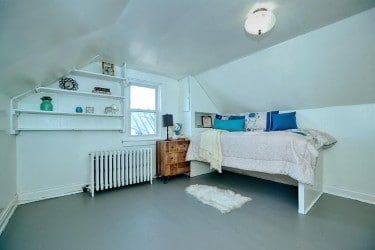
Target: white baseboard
<point>368,198</point>
<point>7,213</point>
<point>54,192</point>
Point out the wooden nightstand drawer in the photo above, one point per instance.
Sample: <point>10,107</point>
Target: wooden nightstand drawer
<point>184,167</point>
<point>181,156</point>
<point>182,146</point>
<point>170,158</point>
<point>170,170</point>
<point>171,147</point>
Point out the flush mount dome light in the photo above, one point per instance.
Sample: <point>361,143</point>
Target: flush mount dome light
<point>260,21</point>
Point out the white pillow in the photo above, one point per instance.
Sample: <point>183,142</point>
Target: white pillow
<point>255,121</point>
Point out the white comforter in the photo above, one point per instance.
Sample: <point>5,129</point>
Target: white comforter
<point>278,152</point>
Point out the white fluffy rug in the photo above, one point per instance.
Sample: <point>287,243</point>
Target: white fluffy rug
<point>224,200</point>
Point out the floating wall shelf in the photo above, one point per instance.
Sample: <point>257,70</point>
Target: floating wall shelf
<point>98,76</point>
<point>26,115</point>
<point>71,92</point>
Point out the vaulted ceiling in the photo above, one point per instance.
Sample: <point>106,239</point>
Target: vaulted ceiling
<point>41,40</point>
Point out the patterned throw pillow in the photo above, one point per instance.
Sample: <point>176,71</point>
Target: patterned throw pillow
<point>259,121</point>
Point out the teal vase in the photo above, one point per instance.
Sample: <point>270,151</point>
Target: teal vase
<point>46,104</point>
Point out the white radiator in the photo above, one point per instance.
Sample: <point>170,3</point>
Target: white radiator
<point>112,169</point>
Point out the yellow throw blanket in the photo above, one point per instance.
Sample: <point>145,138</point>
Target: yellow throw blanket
<point>210,148</point>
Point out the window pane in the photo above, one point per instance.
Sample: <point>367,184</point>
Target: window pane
<point>142,98</point>
<point>143,123</point>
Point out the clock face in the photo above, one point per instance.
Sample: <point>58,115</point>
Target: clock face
<point>68,83</point>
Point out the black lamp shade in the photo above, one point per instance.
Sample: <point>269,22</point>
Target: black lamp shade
<point>167,120</point>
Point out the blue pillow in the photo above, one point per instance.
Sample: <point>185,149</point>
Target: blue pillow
<point>217,116</point>
<point>237,117</point>
<point>269,120</point>
<point>229,117</point>
<point>230,125</point>
<point>284,121</point>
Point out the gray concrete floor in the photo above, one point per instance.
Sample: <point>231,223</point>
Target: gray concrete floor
<point>163,216</point>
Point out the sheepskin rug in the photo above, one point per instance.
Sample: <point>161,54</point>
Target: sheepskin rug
<point>221,199</point>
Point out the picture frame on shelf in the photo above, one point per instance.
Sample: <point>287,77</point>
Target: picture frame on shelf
<point>206,121</point>
<point>108,69</point>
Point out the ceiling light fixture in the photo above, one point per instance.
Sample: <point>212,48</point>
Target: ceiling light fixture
<point>260,21</point>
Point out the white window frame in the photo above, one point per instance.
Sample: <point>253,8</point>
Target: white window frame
<point>128,110</point>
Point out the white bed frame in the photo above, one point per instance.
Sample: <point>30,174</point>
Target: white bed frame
<point>308,195</point>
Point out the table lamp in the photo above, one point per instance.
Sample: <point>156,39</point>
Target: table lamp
<point>167,121</point>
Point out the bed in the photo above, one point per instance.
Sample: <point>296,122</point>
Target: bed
<point>297,153</point>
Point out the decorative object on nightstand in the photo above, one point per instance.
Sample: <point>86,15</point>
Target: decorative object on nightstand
<point>167,122</point>
<point>46,104</point>
<point>177,128</point>
<point>68,84</point>
<point>170,158</point>
<point>178,132</point>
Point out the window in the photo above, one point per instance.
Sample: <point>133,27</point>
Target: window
<point>143,110</point>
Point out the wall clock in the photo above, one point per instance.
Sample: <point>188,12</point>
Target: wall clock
<point>68,83</point>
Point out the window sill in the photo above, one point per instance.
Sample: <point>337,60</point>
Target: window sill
<point>140,141</point>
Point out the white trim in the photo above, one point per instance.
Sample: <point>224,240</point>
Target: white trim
<point>143,83</point>
<point>50,193</point>
<point>128,110</point>
<point>354,195</point>
<point>7,213</point>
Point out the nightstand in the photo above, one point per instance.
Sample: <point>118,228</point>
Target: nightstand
<point>170,158</point>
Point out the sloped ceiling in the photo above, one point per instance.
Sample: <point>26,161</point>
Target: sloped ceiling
<point>41,41</point>
<point>332,66</point>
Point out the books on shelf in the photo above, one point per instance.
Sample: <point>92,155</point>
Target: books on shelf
<point>100,90</point>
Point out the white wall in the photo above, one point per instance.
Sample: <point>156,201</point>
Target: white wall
<point>7,159</point>
<point>53,163</point>
<point>331,66</point>
<point>193,99</point>
<point>349,166</point>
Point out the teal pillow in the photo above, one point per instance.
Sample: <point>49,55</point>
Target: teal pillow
<point>230,125</point>
<point>284,121</point>
<point>229,117</point>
